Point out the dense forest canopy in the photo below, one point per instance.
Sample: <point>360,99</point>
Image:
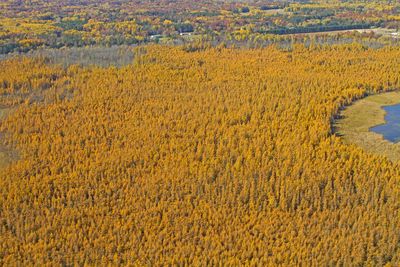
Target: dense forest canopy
<point>28,25</point>
<point>190,132</point>
<point>196,155</point>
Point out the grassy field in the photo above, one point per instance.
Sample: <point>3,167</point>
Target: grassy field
<point>361,116</point>
<point>381,31</point>
<point>276,11</point>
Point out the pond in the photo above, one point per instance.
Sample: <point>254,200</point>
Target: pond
<point>391,129</point>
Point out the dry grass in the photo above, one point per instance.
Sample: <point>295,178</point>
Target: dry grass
<point>280,11</point>
<point>382,31</point>
<point>361,116</point>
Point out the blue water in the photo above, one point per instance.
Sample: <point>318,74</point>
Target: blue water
<point>391,129</point>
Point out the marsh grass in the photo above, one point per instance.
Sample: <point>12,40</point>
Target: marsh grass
<point>116,56</point>
<point>358,118</point>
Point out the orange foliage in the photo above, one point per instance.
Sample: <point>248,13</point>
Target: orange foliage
<point>197,156</point>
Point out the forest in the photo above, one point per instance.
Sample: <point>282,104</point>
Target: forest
<point>197,155</point>
<point>30,24</point>
<point>123,142</point>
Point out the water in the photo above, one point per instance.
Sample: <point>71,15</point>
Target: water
<point>391,129</point>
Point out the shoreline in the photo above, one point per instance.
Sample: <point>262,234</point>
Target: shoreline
<point>358,118</point>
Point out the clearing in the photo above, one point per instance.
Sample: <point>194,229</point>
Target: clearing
<point>358,118</point>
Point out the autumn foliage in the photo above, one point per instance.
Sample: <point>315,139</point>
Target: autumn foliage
<point>197,155</point>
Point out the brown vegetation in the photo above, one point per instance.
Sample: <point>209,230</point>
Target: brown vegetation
<point>358,118</point>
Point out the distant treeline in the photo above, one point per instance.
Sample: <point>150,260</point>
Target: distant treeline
<point>317,29</point>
